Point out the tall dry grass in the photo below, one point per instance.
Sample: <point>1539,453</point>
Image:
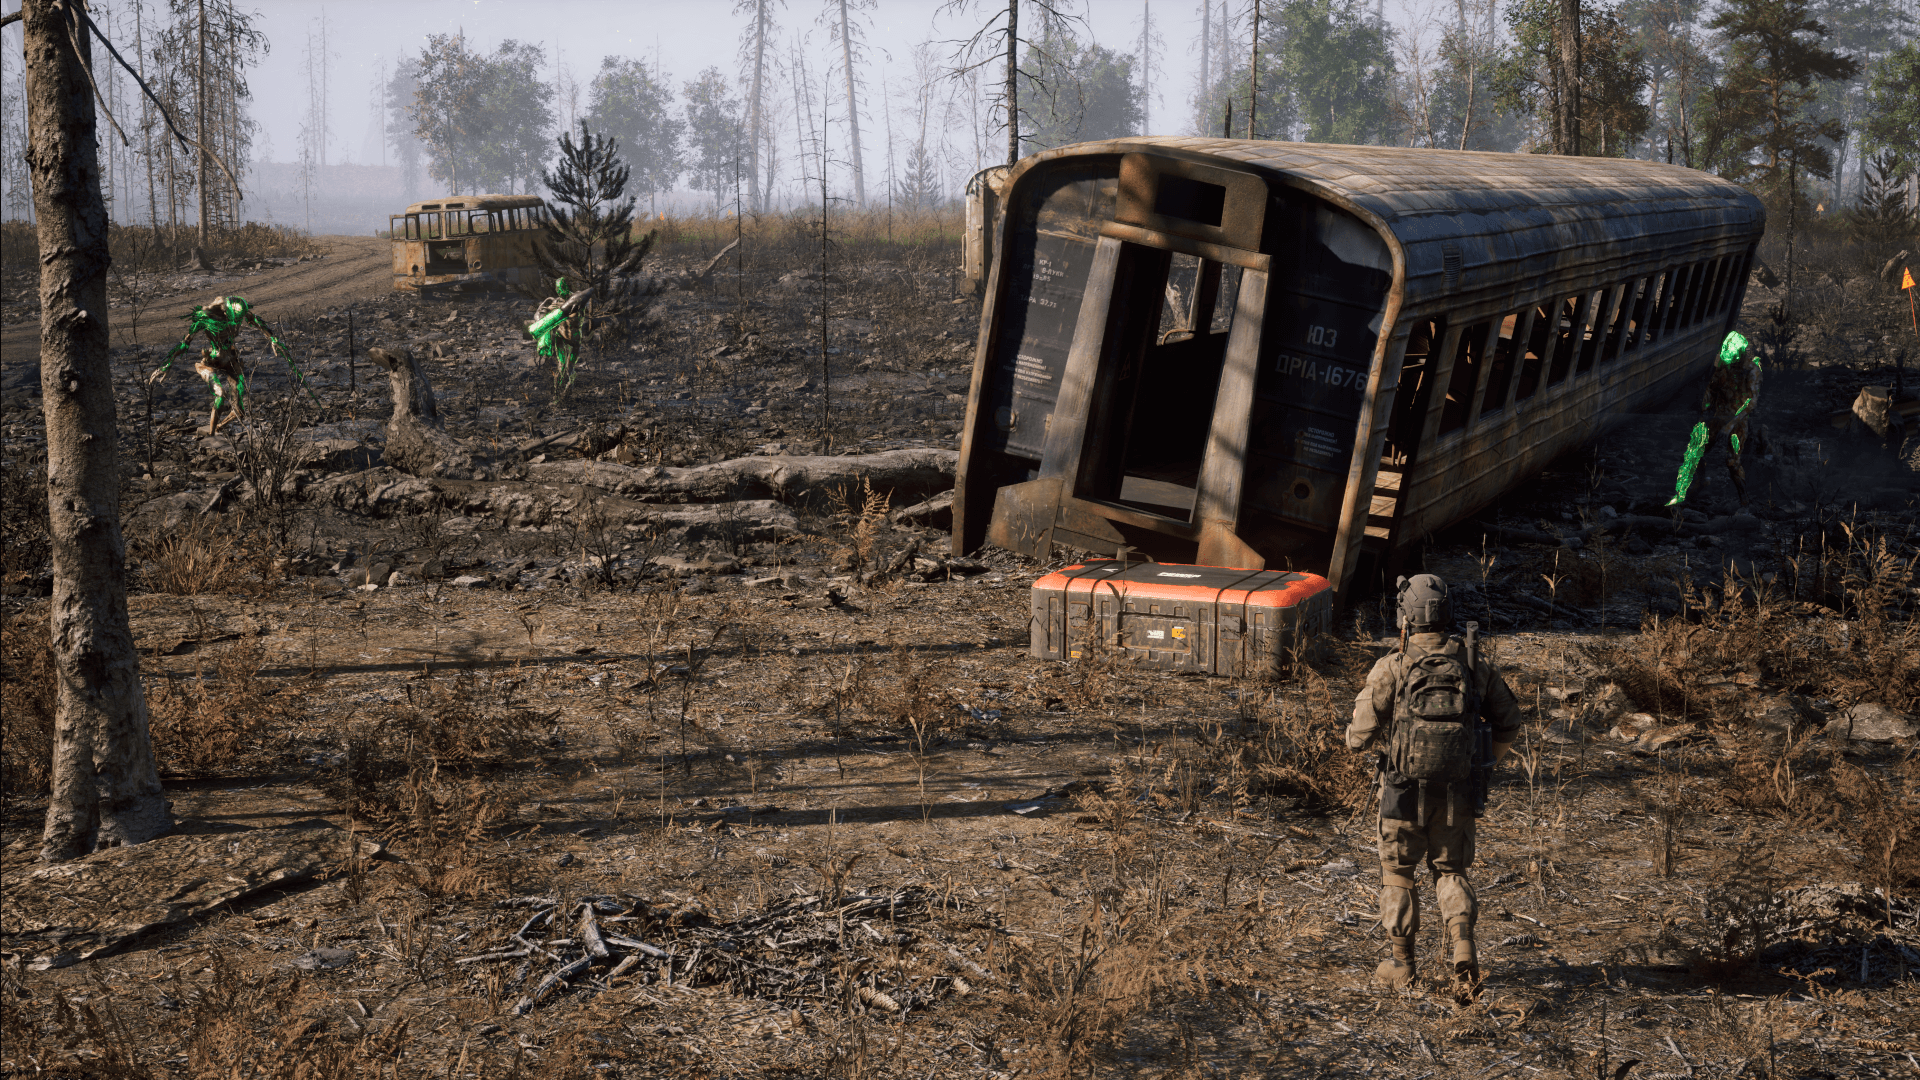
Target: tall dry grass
<point>143,248</point>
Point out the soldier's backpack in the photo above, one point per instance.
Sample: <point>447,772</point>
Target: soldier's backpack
<point>1435,715</point>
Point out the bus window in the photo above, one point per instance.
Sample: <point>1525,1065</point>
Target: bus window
<point>1501,373</point>
<point>1467,366</point>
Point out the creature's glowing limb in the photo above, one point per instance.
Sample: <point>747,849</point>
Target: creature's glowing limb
<point>545,324</point>
<point>1696,449</point>
<point>1736,444</point>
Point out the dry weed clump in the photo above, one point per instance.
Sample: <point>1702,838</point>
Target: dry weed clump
<point>198,558</point>
<point>25,543</point>
<point>226,1020</point>
<point>217,721</point>
<point>27,689</point>
<point>863,515</point>
<point>1842,627</point>
<point>417,769</point>
<point>1084,989</point>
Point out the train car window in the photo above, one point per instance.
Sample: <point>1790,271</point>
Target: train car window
<point>1190,200</point>
<point>1742,266</point>
<point>1676,299</point>
<point>1501,371</point>
<point>1226,298</point>
<point>1177,310</point>
<point>1637,323</point>
<point>1709,286</point>
<point>1466,377</point>
<point>1689,296</point>
<point>1662,304</point>
<point>1623,297</point>
<point>1716,270</point>
<point>1416,388</point>
<point>1572,312</point>
<point>1539,327</point>
<point>1724,293</point>
<point>1714,302</point>
<point>1593,334</point>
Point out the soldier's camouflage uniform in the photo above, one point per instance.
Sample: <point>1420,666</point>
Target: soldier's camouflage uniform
<point>1435,826</point>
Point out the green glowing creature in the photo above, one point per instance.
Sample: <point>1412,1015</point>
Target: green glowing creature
<point>1728,402</point>
<point>221,320</point>
<point>556,330</point>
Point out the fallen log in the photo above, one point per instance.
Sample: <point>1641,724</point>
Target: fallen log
<point>707,271</point>
<point>907,476</point>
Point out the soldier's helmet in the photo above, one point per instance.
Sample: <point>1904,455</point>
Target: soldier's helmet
<point>1424,607</point>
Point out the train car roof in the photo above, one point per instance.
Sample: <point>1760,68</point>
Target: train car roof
<point>475,202</point>
<point>1466,220</point>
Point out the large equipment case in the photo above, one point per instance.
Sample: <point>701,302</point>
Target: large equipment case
<point>1210,619</point>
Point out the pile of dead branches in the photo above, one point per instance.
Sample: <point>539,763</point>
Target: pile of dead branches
<point>805,950</point>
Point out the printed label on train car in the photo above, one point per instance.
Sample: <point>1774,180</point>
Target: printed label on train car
<point>1059,278</point>
<point>1312,326</point>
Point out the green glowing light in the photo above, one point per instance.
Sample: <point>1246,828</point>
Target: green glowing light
<point>220,323</point>
<point>1696,449</point>
<point>1734,345</point>
<point>545,332</point>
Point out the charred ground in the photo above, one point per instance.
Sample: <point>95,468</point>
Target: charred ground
<point>757,720</point>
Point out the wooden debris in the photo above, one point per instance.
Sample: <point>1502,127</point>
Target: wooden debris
<point>785,953</point>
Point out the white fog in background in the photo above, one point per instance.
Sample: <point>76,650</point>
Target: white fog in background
<point>359,184</point>
<point>682,38</point>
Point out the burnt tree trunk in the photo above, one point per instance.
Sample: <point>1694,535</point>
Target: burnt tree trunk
<point>1567,122</point>
<point>106,790</point>
<point>1013,82</point>
<point>416,442</point>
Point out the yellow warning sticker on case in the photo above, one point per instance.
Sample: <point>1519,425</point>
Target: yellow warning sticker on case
<point>1179,631</point>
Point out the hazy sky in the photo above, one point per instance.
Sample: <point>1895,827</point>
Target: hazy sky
<point>686,36</point>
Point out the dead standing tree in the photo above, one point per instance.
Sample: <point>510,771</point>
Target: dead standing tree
<point>106,789</point>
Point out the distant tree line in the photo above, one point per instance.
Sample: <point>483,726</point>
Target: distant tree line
<point>1817,96</point>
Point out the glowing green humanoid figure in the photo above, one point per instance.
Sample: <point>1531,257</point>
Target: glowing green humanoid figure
<point>221,320</point>
<point>556,332</point>
<point>1731,391</point>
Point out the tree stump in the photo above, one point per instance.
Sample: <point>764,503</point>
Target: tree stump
<point>416,440</point>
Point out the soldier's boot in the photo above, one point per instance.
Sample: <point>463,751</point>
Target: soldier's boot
<point>1396,972</point>
<point>1466,958</point>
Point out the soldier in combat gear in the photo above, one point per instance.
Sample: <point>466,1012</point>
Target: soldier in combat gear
<point>1431,820</point>
<point>1732,390</point>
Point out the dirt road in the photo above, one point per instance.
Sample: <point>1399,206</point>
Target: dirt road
<point>354,268</point>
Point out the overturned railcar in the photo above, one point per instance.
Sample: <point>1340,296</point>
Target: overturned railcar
<point>1262,354</point>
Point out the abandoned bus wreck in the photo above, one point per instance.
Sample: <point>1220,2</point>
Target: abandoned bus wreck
<point>1247,353</point>
<point>467,241</point>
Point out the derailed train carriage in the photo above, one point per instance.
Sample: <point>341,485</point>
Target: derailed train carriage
<point>1247,354</point>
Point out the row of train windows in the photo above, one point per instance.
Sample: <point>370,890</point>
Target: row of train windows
<point>1574,334</point>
